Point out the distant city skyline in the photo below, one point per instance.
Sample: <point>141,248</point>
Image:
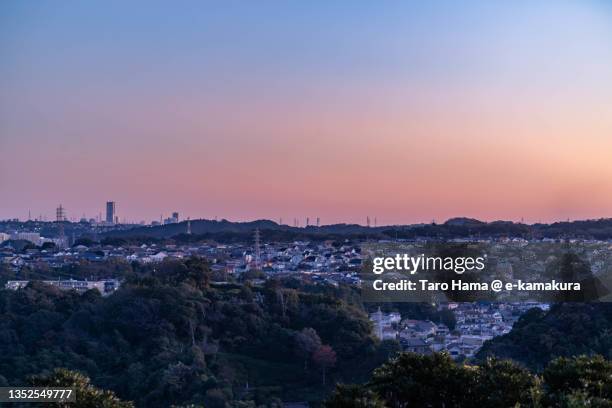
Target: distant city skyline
<point>408,112</point>
<point>297,221</point>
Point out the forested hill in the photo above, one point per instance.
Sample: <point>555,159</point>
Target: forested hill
<point>168,337</point>
<point>568,329</point>
<point>200,227</point>
<point>456,227</point>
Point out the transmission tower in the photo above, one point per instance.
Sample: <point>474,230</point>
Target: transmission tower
<point>60,214</point>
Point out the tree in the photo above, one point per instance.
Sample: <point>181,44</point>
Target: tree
<point>85,241</point>
<point>87,396</point>
<point>194,272</point>
<point>198,272</point>
<point>354,396</point>
<point>324,357</point>
<point>448,318</point>
<point>48,245</point>
<point>436,381</point>
<point>579,378</point>
<point>503,383</point>
<point>307,342</point>
<point>418,381</point>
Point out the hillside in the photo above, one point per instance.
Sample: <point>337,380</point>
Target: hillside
<point>169,337</point>
<point>567,329</point>
<point>455,227</point>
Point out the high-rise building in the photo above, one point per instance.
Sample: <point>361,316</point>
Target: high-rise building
<point>110,212</point>
<point>175,215</point>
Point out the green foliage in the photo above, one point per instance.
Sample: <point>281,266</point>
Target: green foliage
<point>324,357</point>
<point>87,396</point>
<point>168,337</point>
<point>568,329</point>
<point>354,396</point>
<point>578,381</point>
<point>307,341</point>
<point>503,383</point>
<point>412,380</point>
<point>85,241</point>
<point>418,380</point>
<point>225,231</point>
<point>48,245</point>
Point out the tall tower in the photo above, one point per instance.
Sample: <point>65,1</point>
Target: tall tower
<point>188,226</point>
<point>257,249</point>
<point>60,217</point>
<point>110,212</point>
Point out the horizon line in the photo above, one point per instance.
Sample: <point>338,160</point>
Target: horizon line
<point>433,222</point>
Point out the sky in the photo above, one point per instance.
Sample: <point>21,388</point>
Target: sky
<point>404,111</point>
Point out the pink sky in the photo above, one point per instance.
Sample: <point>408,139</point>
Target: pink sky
<point>509,118</point>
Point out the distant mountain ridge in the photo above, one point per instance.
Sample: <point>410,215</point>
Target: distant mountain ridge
<point>452,228</point>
